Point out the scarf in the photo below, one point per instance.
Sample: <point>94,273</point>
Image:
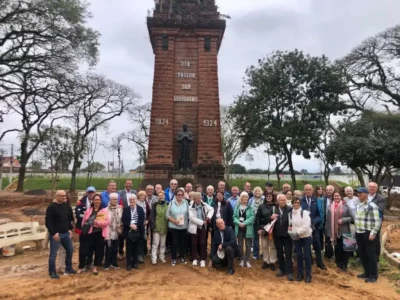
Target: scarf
<point>336,215</point>
<point>115,221</point>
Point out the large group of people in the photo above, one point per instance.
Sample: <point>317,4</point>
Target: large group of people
<point>248,224</point>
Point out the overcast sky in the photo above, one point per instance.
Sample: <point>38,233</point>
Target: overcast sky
<point>257,27</point>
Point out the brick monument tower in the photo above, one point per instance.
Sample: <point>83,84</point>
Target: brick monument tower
<point>186,36</point>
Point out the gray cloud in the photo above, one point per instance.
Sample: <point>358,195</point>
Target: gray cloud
<point>257,27</point>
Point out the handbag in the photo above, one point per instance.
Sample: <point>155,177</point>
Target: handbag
<point>349,243</point>
<point>133,235</point>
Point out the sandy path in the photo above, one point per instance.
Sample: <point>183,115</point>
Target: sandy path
<point>25,277</point>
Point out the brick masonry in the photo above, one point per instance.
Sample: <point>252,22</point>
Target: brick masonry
<point>185,69</point>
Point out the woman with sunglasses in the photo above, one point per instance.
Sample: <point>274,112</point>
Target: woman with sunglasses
<point>177,215</point>
<point>301,232</point>
<point>338,219</point>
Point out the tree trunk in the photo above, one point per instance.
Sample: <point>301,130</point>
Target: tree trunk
<point>326,175</point>
<point>74,170</point>
<point>22,170</point>
<point>269,165</point>
<point>291,169</point>
<point>360,176</point>
<point>278,178</point>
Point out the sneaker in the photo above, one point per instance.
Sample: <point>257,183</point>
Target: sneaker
<point>241,264</point>
<point>370,280</point>
<point>54,276</point>
<point>106,268</point>
<point>248,265</point>
<point>290,277</point>
<point>163,260</point>
<point>173,263</point>
<point>255,257</point>
<point>154,262</point>
<point>195,262</point>
<point>362,276</point>
<point>183,261</point>
<point>70,272</point>
<point>114,267</point>
<point>231,271</point>
<point>280,274</point>
<point>203,264</point>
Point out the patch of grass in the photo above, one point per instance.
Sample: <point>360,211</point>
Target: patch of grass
<point>261,183</point>
<point>395,276</point>
<point>33,183</point>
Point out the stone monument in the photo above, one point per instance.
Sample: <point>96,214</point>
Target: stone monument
<point>186,36</point>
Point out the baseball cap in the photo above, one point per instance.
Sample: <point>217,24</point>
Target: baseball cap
<point>362,190</point>
<point>269,184</point>
<point>91,189</point>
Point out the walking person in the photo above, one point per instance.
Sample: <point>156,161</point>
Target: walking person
<point>133,222</point>
<point>255,202</point>
<point>114,231</point>
<point>368,223</point>
<point>243,218</point>
<point>177,215</point>
<point>301,233</point>
<point>95,224</point>
<point>159,227</point>
<point>283,242</point>
<point>200,215</point>
<point>59,222</point>
<point>338,218</point>
<point>263,218</point>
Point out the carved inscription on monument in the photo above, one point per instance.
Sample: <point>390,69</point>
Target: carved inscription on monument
<point>161,121</point>
<point>210,123</point>
<point>186,99</point>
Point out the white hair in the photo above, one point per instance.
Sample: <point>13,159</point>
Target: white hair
<point>132,196</point>
<point>349,188</point>
<point>210,187</point>
<point>173,181</point>
<point>280,196</point>
<point>113,196</point>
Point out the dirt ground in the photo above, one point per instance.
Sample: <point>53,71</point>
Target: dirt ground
<point>393,242</point>
<point>24,276</point>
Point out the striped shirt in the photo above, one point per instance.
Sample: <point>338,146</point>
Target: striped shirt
<point>367,218</point>
<point>134,216</point>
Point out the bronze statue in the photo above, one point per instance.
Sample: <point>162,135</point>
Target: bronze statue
<point>185,138</point>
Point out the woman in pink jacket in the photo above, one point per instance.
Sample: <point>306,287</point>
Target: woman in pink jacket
<point>94,224</point>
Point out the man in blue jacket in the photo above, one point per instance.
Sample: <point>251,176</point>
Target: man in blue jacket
<point>171,190</point>
<point>310,204</point>
<point>224,240</point>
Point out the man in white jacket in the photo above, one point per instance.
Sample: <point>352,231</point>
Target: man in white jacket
<point>200,214</point>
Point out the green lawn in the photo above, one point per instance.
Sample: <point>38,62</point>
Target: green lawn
<point>261,183</point>
<point>100,184</point>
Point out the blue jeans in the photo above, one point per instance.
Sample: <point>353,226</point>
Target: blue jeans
<point>66,242</point>
<point>256,242</point>
<point>303,251</point>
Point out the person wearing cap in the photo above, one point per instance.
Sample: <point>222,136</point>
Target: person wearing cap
<point>80,210</point>
<point>368,223</point>
<point>269,189</point>
<point>223,247</point>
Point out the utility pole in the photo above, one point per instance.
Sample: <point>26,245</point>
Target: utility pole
<point>1,169</point>
<point>11,163</point>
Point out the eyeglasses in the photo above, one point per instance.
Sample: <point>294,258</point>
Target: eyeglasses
<point>296,202</point>
<point>181,195</point>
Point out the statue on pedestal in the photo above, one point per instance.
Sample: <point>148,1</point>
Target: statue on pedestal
<point>185,139</point>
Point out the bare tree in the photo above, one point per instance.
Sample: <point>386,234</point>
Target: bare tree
<point>139,135</point>
<point>371,69</point>
<point>92,147</point>
<point>101,100</point>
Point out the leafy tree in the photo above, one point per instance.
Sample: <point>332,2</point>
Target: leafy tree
<point>237,169</point>
<point>94,167</point>
<point>36,165</point>
<point>371,69</point>
<point>56,148</point>
<point>287,99</point>
<point>371,144</point>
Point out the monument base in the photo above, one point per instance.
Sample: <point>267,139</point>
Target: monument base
<point>202,174</point>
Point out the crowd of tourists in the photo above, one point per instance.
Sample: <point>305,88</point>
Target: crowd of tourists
<point>244,225</point>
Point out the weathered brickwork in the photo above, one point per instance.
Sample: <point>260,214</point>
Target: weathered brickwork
<point>188,74</point>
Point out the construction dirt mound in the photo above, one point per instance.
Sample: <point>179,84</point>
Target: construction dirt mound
<point>39,192</point>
